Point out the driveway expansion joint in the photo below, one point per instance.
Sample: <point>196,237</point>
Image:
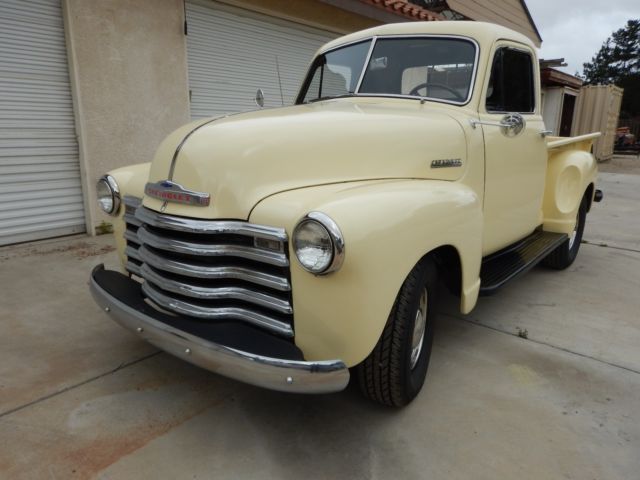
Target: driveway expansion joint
<point>606,245</point>
<point>539,342</point>
<point>76,385</point>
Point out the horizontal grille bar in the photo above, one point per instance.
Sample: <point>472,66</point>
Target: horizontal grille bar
<point>217,313</point>
<point>193,248</point>
<point>133,268</point>
<point>209,272</point>
<point>132,201</point>
<point>133,253</point>
<point>149,217</point>
<point>132,220</point>
<point>130,236</point>
<point>215,293</point>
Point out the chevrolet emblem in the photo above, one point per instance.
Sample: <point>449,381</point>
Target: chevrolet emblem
<point>169,191</point>
<point>446,163</point>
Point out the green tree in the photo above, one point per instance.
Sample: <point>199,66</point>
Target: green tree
<point>618,62</point>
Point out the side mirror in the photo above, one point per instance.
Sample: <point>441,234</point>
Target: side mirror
<point>259,98</point>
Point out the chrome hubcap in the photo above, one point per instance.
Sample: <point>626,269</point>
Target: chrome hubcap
<point>574,234</point>
<point>419,327</point>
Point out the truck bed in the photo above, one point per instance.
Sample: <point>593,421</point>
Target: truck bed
<point>580,142</point>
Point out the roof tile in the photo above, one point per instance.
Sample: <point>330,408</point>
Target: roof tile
<point>405,9</point>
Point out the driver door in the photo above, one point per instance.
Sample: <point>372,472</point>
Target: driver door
<point>515,148</point>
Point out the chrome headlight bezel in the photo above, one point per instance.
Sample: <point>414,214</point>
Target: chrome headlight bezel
<point>111,185</point>
<point>334,235</point>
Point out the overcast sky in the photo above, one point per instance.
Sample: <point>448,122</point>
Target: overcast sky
<point>575,29</point>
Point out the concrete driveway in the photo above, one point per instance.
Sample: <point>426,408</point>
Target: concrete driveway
<point>80,397</point>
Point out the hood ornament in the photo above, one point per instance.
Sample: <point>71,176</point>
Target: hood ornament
<point>169,191</point>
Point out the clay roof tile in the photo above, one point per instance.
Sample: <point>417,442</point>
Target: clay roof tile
<point>404,9</point>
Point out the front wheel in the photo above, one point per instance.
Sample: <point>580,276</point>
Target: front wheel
<point>393,374</point>
<point>565,254</point>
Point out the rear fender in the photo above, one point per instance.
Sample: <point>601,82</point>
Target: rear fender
<point>570,174</point>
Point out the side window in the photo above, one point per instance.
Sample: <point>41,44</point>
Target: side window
<point>337,72</point>
<point>511,85</point>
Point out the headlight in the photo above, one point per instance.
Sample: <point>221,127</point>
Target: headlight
<point>108,195</point>
<point>318,244</point>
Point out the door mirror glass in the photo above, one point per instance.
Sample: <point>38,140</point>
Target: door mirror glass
<point>259,98</point>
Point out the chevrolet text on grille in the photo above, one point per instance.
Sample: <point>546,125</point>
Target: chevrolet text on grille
<point>174,192</point>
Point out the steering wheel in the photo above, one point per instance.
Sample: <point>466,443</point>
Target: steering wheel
<point>414,90</point>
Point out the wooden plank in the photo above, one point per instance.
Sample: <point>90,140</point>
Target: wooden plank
<point>501,12</point>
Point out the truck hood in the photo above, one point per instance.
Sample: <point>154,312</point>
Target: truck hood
<point>241,159</point>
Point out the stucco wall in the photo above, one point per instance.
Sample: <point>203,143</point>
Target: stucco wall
<point>129,74</point>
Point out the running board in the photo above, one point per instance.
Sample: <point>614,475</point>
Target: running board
<point>505,265</point>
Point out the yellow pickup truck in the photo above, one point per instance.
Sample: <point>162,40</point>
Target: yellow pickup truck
<point>294,247</point>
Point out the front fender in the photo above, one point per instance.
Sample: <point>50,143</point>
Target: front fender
<point>388,226</point>
<point>131,181</point>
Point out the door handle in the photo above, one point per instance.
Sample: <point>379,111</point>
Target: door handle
<point>544,133</point>
<point>511,124</point>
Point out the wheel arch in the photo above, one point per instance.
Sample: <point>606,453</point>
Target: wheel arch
<point>449,265</point>
<point>589,192</point>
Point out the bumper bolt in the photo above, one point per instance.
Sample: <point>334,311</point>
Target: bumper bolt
<point>188,351</point>
<point>289,380</point>
<point>107,309</point>
<point>140,329</point>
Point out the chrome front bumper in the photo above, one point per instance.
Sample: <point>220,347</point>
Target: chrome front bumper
<point>121,298</point>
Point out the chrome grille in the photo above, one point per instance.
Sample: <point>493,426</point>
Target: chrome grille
<point>211,270</point>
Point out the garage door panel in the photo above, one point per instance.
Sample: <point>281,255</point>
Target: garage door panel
<point>26,83</point>
<point>27,123</point>
<point>37,198</point>
<point>40,176</point>
<point>42,226</point>
<point>15,64</point>
<point>45,156</point>
<point>8,170</point>
<point>39,50</point>
<point>51,187</point>
<point>233,52</point>
<point>64,210</point>
<point>40,187</point>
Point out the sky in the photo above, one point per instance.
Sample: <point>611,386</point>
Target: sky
<point>575,29</point>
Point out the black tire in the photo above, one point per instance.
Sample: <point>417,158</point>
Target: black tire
<point>386,375</point>
<point>565,254</point>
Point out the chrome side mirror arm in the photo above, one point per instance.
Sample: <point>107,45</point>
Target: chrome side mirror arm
<point>474,123</point>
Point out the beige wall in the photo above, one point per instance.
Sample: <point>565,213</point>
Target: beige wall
<point>129,75</point>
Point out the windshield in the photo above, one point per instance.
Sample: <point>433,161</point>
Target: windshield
<point>437,68</point>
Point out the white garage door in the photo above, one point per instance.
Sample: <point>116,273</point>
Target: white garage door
<point>40,194</point>
<point>233,52</point>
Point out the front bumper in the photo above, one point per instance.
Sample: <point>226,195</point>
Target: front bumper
<point>231,349</point>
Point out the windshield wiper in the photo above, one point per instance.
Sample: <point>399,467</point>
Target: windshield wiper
<point>330,97</point>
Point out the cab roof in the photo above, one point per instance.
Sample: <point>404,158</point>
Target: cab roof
<point>482,32</point>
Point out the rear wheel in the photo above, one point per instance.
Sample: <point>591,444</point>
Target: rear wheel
<point>565,254</point>
<point>393,374</point>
